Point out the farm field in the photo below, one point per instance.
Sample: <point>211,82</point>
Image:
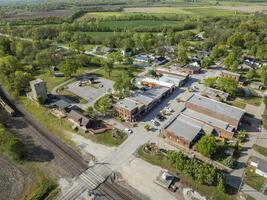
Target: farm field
<point>137,23</point>
<point>196,11</point>
<point>53,13</point>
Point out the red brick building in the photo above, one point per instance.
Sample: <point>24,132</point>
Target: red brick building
<point>225,119</point>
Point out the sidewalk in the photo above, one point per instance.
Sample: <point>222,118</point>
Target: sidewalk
<point>253,193</point>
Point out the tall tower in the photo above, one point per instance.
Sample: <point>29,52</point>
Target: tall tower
<point>38,88</point>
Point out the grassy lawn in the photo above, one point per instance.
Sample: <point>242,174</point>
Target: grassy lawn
<point>138,23</point>
<point>161,160</point>
<point>241,103</point>
<point>50,79</point>
<point>237,103</point>
<point>52,123</point>
<point>260,149</point>
<point>118,71</point>
<point>256,101</point>
<point>108,138</point>
<point>254,180</point>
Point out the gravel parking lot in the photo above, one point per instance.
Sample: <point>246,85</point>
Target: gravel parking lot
<point>141,175</point>
<point>90,92</point>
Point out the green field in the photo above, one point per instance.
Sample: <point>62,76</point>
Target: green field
<point>118,71</point>
<point>254,180</point>
<point>138,23</point>
<point>162,12</point>
<point>52,123</point>
<point>107,138</point>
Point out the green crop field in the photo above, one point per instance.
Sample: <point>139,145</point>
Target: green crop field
<point>137,23</point>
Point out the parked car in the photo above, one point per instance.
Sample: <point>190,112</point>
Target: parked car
<point>154,122</point>
<point>160,117</point>
<point>127,130</point>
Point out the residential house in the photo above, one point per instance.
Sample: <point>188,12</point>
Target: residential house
<point>141,58</point>
<point>79,120</point>
<point>160,60</point>
<point>229,74</point>
<point>126,52</point>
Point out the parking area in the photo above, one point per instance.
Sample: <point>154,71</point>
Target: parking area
<point>90,88</point>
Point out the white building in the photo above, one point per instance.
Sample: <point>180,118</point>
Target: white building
<point>260,165</point>
<point>38,88</point>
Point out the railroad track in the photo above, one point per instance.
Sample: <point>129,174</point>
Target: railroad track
<point>69,160</point>
<point>94,180</point>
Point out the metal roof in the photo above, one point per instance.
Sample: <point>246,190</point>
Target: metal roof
<point>217,107</point>
<point>209,120</point>
<point>214,92</point>
<point>186,127</point>
<point>158,82</point>
<point>61,104</point>
<point>128,104</point>
<point>262,164</point>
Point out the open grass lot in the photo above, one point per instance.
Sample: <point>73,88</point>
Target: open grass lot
<point>237,103</point>
<point>101,35</point>
<point>107,138</point>
<point>50,79</point>
<point>241,103</point>
<point>256,101</point>
<point>137,23</point>
<point>52,123</point>
<point>118,71</point>
<point>209,191</point>
<point>254,180</point>
<point>260,149</point>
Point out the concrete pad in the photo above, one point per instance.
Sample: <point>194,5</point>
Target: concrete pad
<point>99,151</point>
<point>141,175</point>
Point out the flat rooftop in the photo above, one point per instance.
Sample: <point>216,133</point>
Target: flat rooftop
<point>216,106</point>
<point>208,120</point>
<point>262,164</point>
<point>184,126</point>
<point>128,104</point>
<point>230,73</point>
<point>214,92</point>
<point>36,81</point>
<point>149,96</point>
<point>158,82</point>
<point>141,98</point>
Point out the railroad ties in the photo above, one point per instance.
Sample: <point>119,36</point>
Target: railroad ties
<point>89,180</point>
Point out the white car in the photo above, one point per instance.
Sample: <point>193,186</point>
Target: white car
<point>154,122</point>
<point>127,130</point>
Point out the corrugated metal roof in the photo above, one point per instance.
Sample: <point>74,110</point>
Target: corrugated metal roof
<point>217,107</point>
<point>185,127</point>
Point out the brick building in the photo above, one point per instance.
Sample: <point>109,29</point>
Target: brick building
<point>225,119</point>
<point>183,131</point>
<point>133,108</point>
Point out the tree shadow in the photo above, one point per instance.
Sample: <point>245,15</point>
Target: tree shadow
<point>34,152</point>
